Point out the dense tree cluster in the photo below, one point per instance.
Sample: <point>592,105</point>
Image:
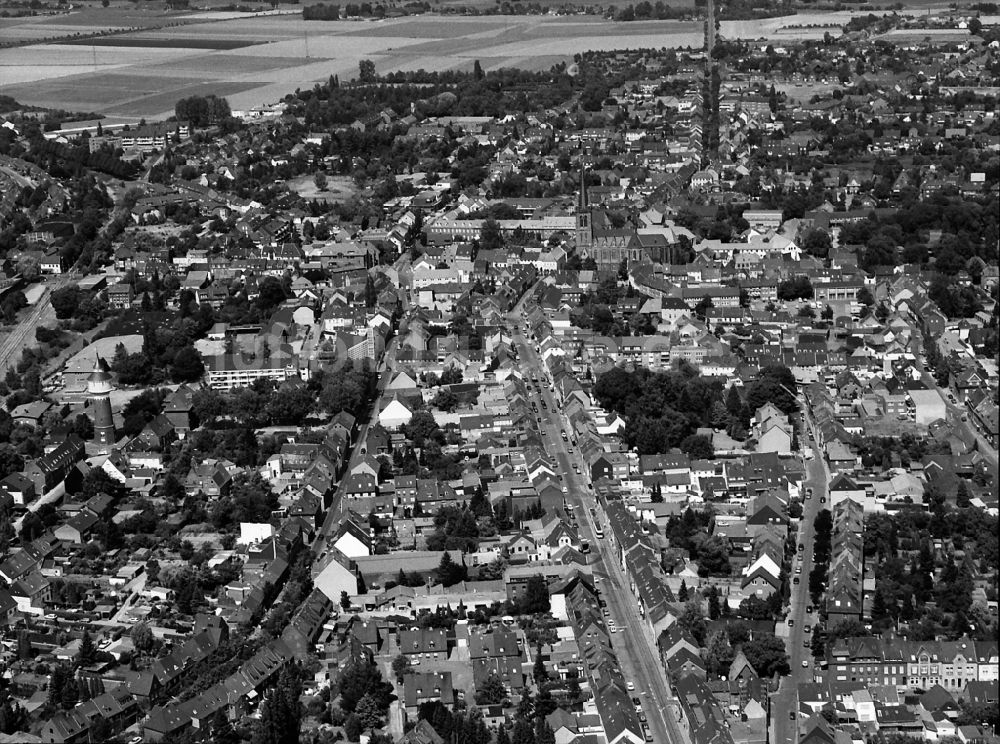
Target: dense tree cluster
<point>362,681</point>
<point>449,573</point>
<point>692,532</point>
<point>281,712</point>
<point>202,111</point>
<point>953,299</point>
<point>883,451</point>
<point>465,726</point>
<point>321,12</point>
<point>774,384</point>
<point>646,11</point>
<point>76,157</point>
<point>929,593</point>
<point>661,409</point>
<point>767,655</point>
<point>456,528</point>
<point>969,229</point>
<point>796,288</point>
<point>433,94</point>
<point>250,499</point>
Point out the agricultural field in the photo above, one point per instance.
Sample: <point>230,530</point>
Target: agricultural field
<point>807,25</point>
<point>254,60</point>
<point>917,35</point>
<point>85,21</point>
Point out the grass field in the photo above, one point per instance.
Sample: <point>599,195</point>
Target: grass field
<point>338,188</point>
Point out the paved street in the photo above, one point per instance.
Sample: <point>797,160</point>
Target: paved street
<point>335,512</point>
<point>796,639</point>
<point>635,649</point>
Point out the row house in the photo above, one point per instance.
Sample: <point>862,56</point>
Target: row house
<point>913,665</point>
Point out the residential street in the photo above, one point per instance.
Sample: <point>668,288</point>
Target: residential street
<point>335,512</point>
<point>635,649</point>
<point>783,702</point>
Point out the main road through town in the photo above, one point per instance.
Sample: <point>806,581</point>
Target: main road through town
<point>633,646</point>
<point>784,716</point>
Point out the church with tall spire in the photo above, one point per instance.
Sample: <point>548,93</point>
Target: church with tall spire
<point>584,227</point>
<point>608,245</point>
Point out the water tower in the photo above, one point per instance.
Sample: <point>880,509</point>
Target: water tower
<point>99,387</point>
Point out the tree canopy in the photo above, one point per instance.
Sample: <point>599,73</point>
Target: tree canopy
<point>661,409</point>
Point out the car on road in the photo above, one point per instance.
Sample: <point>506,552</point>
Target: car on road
<point>802,547</point>
<point>806,629</point>
<point>630,686</point>
<point>791,622</point>
<point>805,663</point>
<point>791,715</point>
<point>795,580</point>
<point>809,609</point>
<point>822,499</point>
<point>637,703</point>
<point>809,492</point>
